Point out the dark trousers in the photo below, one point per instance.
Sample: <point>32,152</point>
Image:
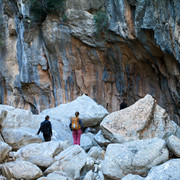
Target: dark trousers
<point>47,137</point>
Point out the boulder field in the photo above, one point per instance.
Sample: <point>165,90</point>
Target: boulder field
<point>136,143</point>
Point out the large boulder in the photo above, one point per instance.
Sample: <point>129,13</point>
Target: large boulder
<point>19,127</point>
<point>173,144</point>
<point>136,157</point>
<point>72,161</point>
<point>56,175</point>
<point>41,161</point>
<point>132,177</point>
<point>45,149</point>
<point>21,170</point>
<point>95,152</point>
<point>4,150</point>
<point>90,112</point>
<point>89,175</point>
<point>101,140</point>
<point>87,141</point>
<point>20,137</point>
<point>16,118</point>
<point>144,119</point>
<point>168,170</point>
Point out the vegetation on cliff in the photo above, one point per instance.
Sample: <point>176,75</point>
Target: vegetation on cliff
<point>101,22</point>
<point>41,8</point>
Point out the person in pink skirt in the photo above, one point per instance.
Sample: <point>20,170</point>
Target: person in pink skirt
<point>76,126</point>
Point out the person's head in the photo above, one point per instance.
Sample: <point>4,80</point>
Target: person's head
<point>76,113</point>
<point>47,117</point>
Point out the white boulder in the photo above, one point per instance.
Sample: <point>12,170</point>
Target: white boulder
<point>144,119</point>
<point>132,177</point>
<point>4,150</point>
<point>22,126</point>
<point>173,144</point>
<point>87,141</point>
<point>135,157</point>
<point>90,112</point>
<point>72,161</point>
<point>95,152</point>
<point>101,140</point>
<point>41,161</point>
<point>20,137</point>
<point>89,176</point>
<point>56,175</point>
<point>170,170</point>
<point>21,170</point>
<point>45,149</point>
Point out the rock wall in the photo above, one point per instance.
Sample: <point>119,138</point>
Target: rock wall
<point>44,65</point>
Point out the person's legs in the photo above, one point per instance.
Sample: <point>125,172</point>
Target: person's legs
<point>47,137</point>
<point>78,136</point>
<point>75,137</point>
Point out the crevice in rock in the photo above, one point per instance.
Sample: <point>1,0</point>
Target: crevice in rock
<point>3,90</point>
<point>133,12</point>
<point>148,123</point>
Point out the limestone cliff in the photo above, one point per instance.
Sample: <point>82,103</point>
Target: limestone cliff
<point>49,63</point>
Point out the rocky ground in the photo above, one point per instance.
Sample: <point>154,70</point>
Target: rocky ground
<point>139,142</point>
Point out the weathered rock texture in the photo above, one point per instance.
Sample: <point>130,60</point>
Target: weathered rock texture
<point>91,113</point>
<point>72,160</point>
<point>54,62</point>
<point>135,157</point>
<point>173,144</point>
<point>4,150</point>
<point>132,177</point>
<point>56,175</point>
<point>46,149</point>
<point>144,119</point>
<point>168,170</point>
<point>21,170</point>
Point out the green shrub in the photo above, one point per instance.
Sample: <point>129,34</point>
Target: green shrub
<point>41,8</point>
<point>101,22</point>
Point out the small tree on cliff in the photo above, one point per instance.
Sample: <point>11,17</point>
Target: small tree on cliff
<point>41,8</point>
<point>101,22</point>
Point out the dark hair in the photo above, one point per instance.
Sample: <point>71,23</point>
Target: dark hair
<point>47,117</point>
<point>77,113</point>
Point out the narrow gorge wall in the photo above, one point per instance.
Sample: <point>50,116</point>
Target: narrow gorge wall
<point>44,65</point>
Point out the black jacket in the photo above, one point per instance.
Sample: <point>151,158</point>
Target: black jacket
<point>45,128</point>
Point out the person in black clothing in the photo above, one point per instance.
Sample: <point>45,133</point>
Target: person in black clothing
<point>46,129</point>
<point>123,105</point>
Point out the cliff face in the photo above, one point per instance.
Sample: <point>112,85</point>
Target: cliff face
<point>43,65</point>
